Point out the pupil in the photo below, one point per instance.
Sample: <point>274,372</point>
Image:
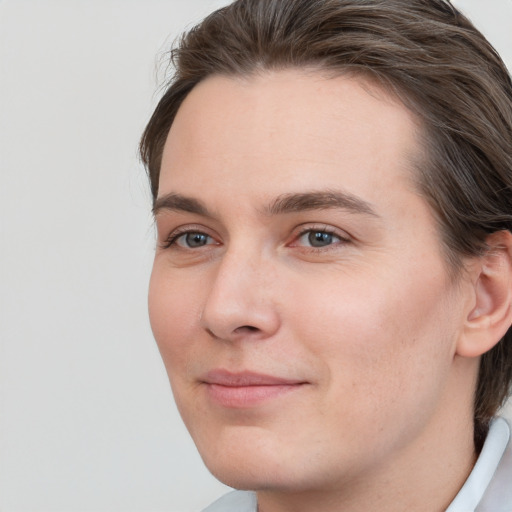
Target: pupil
<point>196,239</point>
<point>320,239</point>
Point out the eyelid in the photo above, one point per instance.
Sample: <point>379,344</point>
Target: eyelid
<point>170,239</point>
<point>301,230</point>
<point>179,231</point>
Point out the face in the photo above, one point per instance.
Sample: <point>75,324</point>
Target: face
<point>299,296</point>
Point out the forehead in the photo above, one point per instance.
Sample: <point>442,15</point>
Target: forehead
<point>289,128</point>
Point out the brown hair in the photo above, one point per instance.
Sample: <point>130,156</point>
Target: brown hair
<point>438,64</point>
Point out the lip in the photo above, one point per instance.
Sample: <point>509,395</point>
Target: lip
<point>246,389</point>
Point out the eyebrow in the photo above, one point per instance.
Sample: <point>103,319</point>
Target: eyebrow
<point>285,203</point>
<point>321,200</point>
<point>180,203</point>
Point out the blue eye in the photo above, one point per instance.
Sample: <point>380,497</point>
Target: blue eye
<point>318,238</point>
<point>193,240</point>
<point>188,238</point>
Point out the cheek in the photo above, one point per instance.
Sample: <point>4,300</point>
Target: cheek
<point>380,338</point>
<point>173,316</point>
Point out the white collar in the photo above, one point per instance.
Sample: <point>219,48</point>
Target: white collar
<point>485,470</point>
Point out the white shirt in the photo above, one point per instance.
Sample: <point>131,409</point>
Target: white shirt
<point>487,489</point>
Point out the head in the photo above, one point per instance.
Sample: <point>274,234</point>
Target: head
<point>419,55</point>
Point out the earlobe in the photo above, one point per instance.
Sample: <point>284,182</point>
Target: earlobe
<point>491,314</point>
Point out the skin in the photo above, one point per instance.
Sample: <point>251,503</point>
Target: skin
<point>366,324</point>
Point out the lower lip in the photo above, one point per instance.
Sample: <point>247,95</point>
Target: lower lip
<point>247,396</point>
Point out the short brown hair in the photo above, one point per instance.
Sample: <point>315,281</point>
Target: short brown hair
<point>433,59</point>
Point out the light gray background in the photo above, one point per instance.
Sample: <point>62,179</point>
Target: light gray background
<point>87,421</point>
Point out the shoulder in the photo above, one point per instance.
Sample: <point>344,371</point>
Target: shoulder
<point>236,501</point>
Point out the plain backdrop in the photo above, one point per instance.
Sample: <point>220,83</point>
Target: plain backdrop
<point>87,420</point>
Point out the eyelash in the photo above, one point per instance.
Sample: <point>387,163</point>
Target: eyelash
<point>324,230</point>
<point>177,234</point>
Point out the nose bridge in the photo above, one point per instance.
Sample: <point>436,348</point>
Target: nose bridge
<point>240,299</point>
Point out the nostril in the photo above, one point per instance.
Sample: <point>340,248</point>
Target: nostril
<point>249,328</point>
<point>244,329</point>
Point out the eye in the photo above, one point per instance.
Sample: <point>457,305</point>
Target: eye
<point>193,240</point>
<point>319,238</point>
<point>188,239</point>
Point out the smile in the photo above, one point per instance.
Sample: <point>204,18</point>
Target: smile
<point>246,389</point>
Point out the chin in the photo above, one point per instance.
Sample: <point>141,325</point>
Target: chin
<point>265,467</point>
<point>252,476</point>
<point>239,479</point>
<point>248,462</point>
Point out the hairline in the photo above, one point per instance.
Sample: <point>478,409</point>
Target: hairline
<point>383,87</point>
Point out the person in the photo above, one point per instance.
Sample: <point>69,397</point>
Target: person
<point>332,285</point>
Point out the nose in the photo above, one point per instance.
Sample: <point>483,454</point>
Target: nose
<point>240,303</point>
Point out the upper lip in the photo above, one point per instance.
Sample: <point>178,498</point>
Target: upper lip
<point>246,378</point>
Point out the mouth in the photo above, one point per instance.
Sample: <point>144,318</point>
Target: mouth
<point>246,389</point>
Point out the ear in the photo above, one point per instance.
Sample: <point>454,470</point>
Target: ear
<point>490,315</point>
